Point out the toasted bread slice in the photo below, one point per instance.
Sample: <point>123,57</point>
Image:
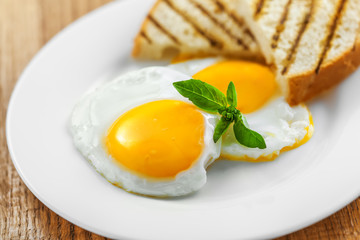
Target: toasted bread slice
<point>194,28</point>
<point>312,44</point>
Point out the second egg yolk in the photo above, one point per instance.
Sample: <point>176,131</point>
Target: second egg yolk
<point>255,83</point>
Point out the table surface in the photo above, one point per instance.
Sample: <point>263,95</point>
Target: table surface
<point>25,26</point>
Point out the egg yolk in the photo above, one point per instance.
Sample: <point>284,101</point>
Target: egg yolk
<point>255,84</point>
<point>158,139</point>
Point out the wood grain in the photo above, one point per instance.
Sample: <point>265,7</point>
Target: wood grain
<point>25,26</point>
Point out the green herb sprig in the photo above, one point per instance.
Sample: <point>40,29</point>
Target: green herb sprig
<point>211,99</point>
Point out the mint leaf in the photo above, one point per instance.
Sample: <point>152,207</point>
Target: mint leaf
<point>201,94</point>
<point>231,95</point>
<point>220,128</point>
<point>246,136</point>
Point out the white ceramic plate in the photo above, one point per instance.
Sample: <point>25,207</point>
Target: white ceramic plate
<point>240,200</point>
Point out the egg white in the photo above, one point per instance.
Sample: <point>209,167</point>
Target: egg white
<point>191,67</point>
<point>97,110</point>
<point>280,124</point>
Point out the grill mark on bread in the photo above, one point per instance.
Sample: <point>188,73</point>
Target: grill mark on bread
<point>146,37</point>
<point>250,34</point>
<point>220,25</point>
<point>356,38</point>
<point>162,29</point>
<point>331,31</point>
<point>259,6</point>
<point>280,27</point>
<point>219,5</point>
<point>290,57</point>
<point>210,39</point>
<point>239,21</point>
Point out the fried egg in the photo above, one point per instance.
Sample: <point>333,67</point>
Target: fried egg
<point>283,127</point>
<point>143,136</point>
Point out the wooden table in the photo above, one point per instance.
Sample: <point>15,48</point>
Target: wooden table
<point>25,26</point>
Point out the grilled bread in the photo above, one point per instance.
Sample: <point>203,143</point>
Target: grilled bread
<point>312,44</point>
<point>194,28</point>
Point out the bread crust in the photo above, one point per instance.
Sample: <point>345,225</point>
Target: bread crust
<point>308,85</point>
